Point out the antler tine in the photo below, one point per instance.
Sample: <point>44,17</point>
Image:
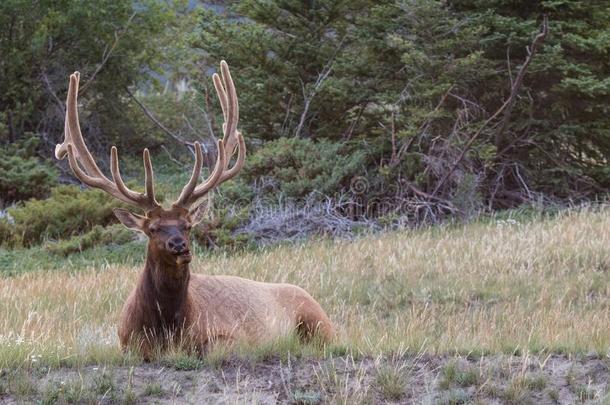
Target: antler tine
<point>73,134</point>
<point>230,108</point>
<point>222,95</point>
<point>241,159</point>
<point>233,114</point>
<point>149,177</point>
<point>192,183</point>
<point>224,104</point>
<point>61,149</point>
<point>78,155</point>
<point>232,138</point>
<point>116,175</point>
<point>146,200</point>
<point>228,95</point>
<point>212,181</point>
<point>94,182</point>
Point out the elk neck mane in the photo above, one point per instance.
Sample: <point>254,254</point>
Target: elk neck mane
<point>163,287</point>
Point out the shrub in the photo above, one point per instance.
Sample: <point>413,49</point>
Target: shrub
<point>220,229</point>
<point>294,168</point>
<point>98,236</point>
<point>68,211</point>
<point>23,176</point>
<point>6,232</point>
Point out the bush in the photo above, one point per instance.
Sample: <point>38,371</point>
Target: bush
<point>23,177</point>
<point>98,236</point>
<point>221,229</point>
<point>294,168</point>
<point>6,232</point>
<point>67,212</point>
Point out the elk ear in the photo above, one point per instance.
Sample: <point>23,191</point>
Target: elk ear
<point>130,220</point>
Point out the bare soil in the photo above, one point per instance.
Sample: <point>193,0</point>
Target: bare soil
<point>419,379</point>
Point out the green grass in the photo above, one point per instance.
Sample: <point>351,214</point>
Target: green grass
<point>455,397</point>
<point>392,381</point>
<point>15,262</point>
<point>182,361</point>
<point>19,261</point>
<point>536,382</point>
<point>71,391</point>
<point>493,286</point>
<point>461,376</point>
<point>584,393</point>
<point>104,383</point>
<point>307,397</point>
<point>153,389</point>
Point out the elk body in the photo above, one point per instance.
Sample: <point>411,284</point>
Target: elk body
<point>169,302</point>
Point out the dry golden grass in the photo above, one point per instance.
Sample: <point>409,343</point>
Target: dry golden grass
<point>492,286</point>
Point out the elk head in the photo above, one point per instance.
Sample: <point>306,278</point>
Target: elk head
<point>167,229</point>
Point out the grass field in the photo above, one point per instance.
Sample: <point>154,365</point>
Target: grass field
<point>537,288</point>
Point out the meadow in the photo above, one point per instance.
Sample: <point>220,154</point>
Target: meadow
<point>496,287</point>
<point>411,163</point>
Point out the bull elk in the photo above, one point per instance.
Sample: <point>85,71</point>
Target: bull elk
<point>169,301</point>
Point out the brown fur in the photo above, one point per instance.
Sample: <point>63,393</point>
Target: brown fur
<point>170,301</point>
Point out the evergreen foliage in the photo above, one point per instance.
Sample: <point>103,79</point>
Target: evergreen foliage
<point>294,168</point>
<point>68,211</point>
<point>397,93</point>
<point>420,77</point>
<point>97,236</point>
<point>113,43</point>
<point>23,176</point>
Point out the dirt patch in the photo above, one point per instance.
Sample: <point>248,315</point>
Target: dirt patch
<point>399,379</point>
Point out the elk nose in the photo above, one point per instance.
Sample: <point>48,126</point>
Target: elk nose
<point>177,245</point>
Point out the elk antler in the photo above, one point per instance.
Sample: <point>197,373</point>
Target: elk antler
<point>232,138</point>
<point>78,155</point>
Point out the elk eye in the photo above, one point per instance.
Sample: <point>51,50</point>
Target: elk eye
<point>188,227</point>
<point>153,229</point>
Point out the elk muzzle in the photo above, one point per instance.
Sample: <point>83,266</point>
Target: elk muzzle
<point>179,247</point>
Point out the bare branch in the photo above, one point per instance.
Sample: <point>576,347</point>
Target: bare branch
<point>173,159</point>
<point>208,121</point>
<point>158,123</point>
<point>308,96</point>
<point>49,87</point>
<point>508,104</point>
<point>519,81</point>
<point>286,122</point>
<point>193,130</point>
<point>108,51</point>
<point>424,125</point>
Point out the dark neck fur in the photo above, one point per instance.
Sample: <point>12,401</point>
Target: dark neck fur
<point>164,290</point>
